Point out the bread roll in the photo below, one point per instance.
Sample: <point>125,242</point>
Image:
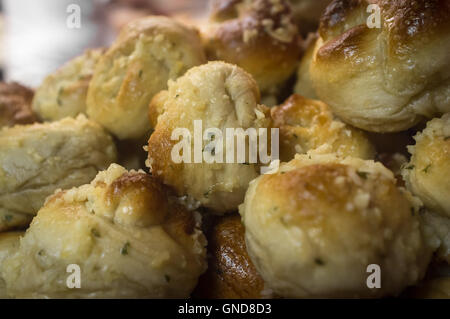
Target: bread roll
<point>15,104</point>
<point>427,174</point>
<point>9,243</point>
<point>384,79</point>
<point>37,159</point>
<point>221,96</point>
<point>129,239</point>
<point>63,93</point>
<point>231,273</point>
<point>258,36</point>
<point>309,124</point>
<point>314,226</point>
<point>147,53</point>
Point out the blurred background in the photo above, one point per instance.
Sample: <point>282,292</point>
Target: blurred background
<point>37,36</point>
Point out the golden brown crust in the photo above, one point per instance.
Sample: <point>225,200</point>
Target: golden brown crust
<point>382,80</point>
<point>148,200</point>
<point>141,192</point>
<point>160,158</point>
<point>231,273</point>
<point>402,19</point>
<point>314,226</point>
<point>222,96</point>
<point>307,124</point>
<point>259,36</point>
<point>302,195</point>
<point>130,238</point>
<point>15,104</point>
<point>427,175</point>
<point>253,13</point>
<point>156,107</point>
<point>409,19</point>
<point>341,47</point>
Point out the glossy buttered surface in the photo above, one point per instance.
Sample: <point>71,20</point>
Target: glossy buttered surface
<point>362,180</point>
<point>231,273</point>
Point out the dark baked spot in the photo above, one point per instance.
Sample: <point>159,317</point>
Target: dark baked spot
<point>336,13</point>
<point>406,19</point>
<point>140,181</point>
<point>15,104</point>
<point>345,46</point>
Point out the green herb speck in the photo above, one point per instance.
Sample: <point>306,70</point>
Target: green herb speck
<point>95,232</point>
<point>140,73</point>
<point>363,175</point>
<point>319,261</point>
<point>8,218</point>
<point>124,249</point>
<point>167,277</point>
<point>426,169</point>
<point>60,91</point>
